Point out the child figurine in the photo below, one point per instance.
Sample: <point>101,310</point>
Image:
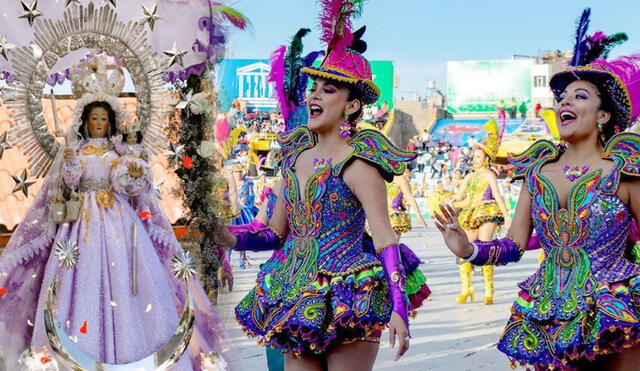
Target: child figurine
<point>131,143</point>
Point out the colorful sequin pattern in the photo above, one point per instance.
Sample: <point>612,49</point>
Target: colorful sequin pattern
<point>321,287</point>
<point>583,300</point>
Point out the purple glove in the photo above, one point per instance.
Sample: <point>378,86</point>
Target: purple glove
<point>390,258</point>
<point>252,238</point>
<point>495,252</point>
<point>252,227</point>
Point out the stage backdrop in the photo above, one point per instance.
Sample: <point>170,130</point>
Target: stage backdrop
<point>477,86</point>
<point>246,79</point>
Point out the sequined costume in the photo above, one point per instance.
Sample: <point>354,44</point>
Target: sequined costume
<point>482,207</point>
<point>248,209</point>
<point>324,288</point>
<point>398,215</point>
<point>584,299</point>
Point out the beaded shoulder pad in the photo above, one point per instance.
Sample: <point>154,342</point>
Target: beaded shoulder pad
<point>292,144</point>
<point>624,147</point>
<point>376,149</point>
<point>540,150</point>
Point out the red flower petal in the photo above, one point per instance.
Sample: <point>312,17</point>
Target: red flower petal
<point>44,360</point>
<point>187,162</point>
<point>144,215</point>
<point>83,329</point>
<point>3,291</point>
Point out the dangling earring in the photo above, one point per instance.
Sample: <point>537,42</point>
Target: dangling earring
<point>600,126</point>
<point>345,128</point>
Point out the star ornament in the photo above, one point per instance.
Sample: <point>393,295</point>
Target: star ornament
<point>175,55</point>
<point>5,46</point>
<point>183,266</point>
<point>150,16</point>
<point>4,144</point>
<point>30,12</point>
<point>22,183</point>
<point>185,100</point>
<point>67,253</point>
<point>174,153</point>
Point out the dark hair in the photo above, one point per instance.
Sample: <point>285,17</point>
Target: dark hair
<point>85,118</point>
<point>608,128</point>
<point>138,134</point>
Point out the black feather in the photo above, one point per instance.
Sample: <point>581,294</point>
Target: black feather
<point>293,64</point>
<point>358,45</point>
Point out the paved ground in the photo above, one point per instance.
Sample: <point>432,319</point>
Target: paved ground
<point>446,335</point>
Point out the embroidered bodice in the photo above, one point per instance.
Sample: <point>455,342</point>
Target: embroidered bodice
<point>584,241</point>
<point>478,190</point>
<point>326,220</point>
<point>96,156</point>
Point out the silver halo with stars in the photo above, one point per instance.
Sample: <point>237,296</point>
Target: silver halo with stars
<point>95,29</point>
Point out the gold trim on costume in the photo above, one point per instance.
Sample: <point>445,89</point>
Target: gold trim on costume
<point>105,198</point>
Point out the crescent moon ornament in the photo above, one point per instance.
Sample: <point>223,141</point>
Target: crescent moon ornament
<point>69,352</point>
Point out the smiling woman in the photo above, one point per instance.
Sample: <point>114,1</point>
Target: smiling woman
<point>579,310</point>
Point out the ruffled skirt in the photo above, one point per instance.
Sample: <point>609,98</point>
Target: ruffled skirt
<point>330,310</point>
<point>611,324</point>
<point>400,222</point>
<point>486,212</point>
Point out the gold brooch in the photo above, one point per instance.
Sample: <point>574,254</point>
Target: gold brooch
<point>105,198</point>
<point>93,150</point>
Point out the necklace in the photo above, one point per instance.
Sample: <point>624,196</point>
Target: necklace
<point>319,162</point>
<point>575,172</point>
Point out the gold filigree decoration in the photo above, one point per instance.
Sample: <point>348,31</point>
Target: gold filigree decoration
<point>105,198</point>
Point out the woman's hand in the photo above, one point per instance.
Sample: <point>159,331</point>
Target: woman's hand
<point>455,238</point>
<point>134,170</point>
<point>397,327</point>
<point>69,153</point>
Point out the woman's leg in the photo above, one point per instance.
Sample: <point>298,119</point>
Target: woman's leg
<point>302,364</point>
<point>356,356</point>
<point>466,271</point>
<point>485,233</point>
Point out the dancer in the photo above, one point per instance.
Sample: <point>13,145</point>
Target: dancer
<point>483,209</point>
<point>248,209</point>
<point>327,300</point>
<point>398,191</point>
<point>581,198</point>
<point>120,309</point>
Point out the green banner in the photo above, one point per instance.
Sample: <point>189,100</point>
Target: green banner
<point>479,86</point>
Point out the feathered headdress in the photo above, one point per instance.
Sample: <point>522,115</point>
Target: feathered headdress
<point>491,141</point>
<point>617,80</point>
<point>344,61</point>
<point>290,84</point>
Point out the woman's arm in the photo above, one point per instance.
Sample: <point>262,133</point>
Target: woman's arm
<point>279,223</point>
<point>405,187</point>
<point>495,252</point>
<point>373,198</point>
<point>461,200</point>
<point>495,190</point>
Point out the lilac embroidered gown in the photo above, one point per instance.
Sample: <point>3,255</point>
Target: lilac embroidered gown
<point>121,327</point>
